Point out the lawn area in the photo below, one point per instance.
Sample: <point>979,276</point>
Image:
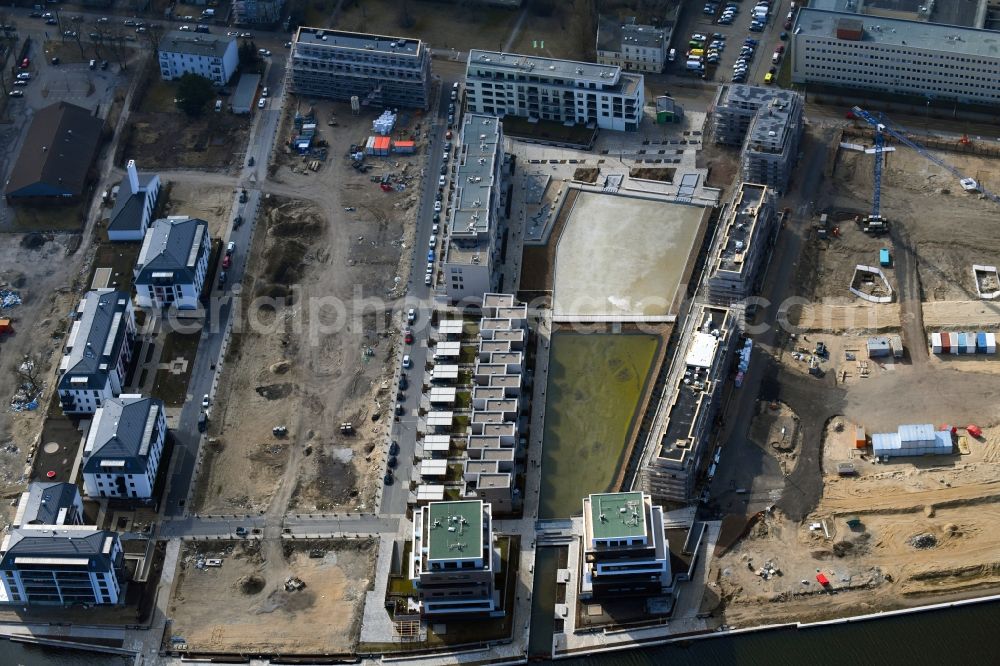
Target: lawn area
<point>67,51</point>
<point>159,96</point>
<point>441,25</point>
<point>568,34</point>
<point>467,354</point>
<point>120,258</point>
<point>47,218</point>
<point>171,388</point>
<point>548,131</point>
<point>463,399</point>
<point>459,424</point>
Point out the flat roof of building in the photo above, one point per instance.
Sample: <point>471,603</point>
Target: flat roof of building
<point>455,530</point>
<point>947,12</point>
<point>612,34</point>
<point>741,224</point>
<point>571,69</point>
<point>433,467</point>
<point>481,149</point>
<point>691,391</point>
<point>362,41</point>
<point>950,39</point>
<point>195,43</point>
<point>450,326</point>
<point>617,515</point>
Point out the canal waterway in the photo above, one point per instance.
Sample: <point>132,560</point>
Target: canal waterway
<point>594,386</point>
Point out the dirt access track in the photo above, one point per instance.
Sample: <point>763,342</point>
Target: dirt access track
<point>243,606</point>
<point>319,337</point>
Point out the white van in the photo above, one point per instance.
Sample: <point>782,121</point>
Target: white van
<point>694,65</point>
<point>672,55</point>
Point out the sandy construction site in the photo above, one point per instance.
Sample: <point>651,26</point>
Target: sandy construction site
<point>912,530</point>
<point>244,606</point>
<point>314,353</point>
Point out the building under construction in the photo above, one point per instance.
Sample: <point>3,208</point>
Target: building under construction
<point>380,71</point>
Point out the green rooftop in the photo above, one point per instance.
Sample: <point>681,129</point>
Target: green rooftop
<point>617,516</point>
<point>455,530</point>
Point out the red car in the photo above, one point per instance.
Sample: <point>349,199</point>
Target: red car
<point>25,63</point>
<point>781,48</point>
<point>448,135</point>
<point>227,261</point>
<point>408,336</point>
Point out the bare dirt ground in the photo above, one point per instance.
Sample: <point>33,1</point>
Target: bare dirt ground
<point>243,606</point>
<point>927,528</point>
<point>211,203</point>
<point>442,26</point>
<point>949,229</point>
<point>35,266</point>
<point>322,357</point>
<point>776,431</point>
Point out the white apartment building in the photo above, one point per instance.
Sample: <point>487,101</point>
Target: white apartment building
<point>471,258</point>
<point>749,229</point>
<point>453,561</point>
<point>122,449</point>
<point>625,549</point>
<point>214,57</point>
<point>585,93</point>
<point>878,54</point>
<point>631,46</point>
<point>97,351</point>
<point>173,262</point>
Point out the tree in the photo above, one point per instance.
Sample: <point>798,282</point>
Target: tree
<point>29,373</point>
<point>406,20</point>
<point>249,58</point>
<point>193,93</point>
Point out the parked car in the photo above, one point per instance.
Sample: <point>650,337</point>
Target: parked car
<point>437,206</point>
<point>16,93</point>
<point>428,278</point>
<point>261,102</point>
<point>411,315</point>
<point>441,179</point>
<point>227,261</point>
<point>408,336</point>
<point>204,402</point>
<point>231,247</point>
<point>263,93</point>
<point>393,448</point>
<point>202,422</point>
<point>407,363</point>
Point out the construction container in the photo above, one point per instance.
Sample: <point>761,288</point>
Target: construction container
<point>370,146</point>
<point>991,343</point>
<point>970,343</point>
<point>860,439</point>
<point>945,343</point>
<point>960,344</point>
<point>878,346</point>
<point>981,342</point>
<point>896,343</point>
<point>936,343</point>
<point>404,147</point>
<point>382,145</point>
<point>883,257</point>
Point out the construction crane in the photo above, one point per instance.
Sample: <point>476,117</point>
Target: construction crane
<point>882,126</point>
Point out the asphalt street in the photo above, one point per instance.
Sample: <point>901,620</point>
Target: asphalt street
<point>207,365</point>
<point>421,297</point>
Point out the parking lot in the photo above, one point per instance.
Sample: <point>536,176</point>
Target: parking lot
<point>695,21</point>
<point>49,84</point>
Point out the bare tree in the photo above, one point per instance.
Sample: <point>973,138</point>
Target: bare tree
<point>116,40</point>
<point>153,35</point>
<point>78,38</point>
<point>29,375</point>
<point>98,37</point>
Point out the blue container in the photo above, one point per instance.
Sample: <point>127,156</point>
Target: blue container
<point>961,343</point>
<point>981,341</point>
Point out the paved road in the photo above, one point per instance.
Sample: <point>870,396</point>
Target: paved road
<point>204,374</point>
<point>224,527</point>
<point>404,431</point>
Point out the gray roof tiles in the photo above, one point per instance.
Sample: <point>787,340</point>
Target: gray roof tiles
<point>102,327</point>
<point>121,431</point>
<point>171,245</point>
<point>198,44</point>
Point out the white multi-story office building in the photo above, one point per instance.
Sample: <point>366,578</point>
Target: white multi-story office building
<point>214,57</point>
<point>97,352</point>
<point>379,70</point>
<point>122,449</point>
<point>585,93</point>
<point>472,253</point>
<point>867,53</point>
<point>631,46</point>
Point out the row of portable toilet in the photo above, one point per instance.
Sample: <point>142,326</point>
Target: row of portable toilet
<point>964,343</point>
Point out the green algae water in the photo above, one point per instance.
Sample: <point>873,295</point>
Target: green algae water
<point>594,386</point>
